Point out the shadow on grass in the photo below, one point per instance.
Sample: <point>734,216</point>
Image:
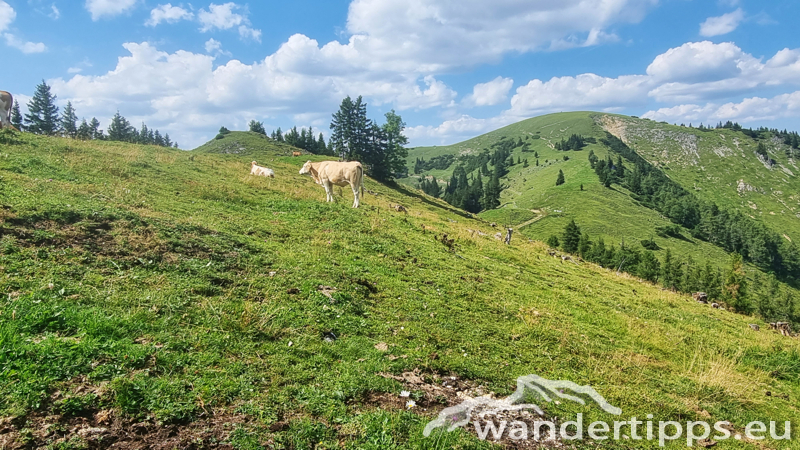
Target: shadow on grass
<point>410,193</point>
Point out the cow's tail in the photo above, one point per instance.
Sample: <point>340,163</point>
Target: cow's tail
<point>361,180</point>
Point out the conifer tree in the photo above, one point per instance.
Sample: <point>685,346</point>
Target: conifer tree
<point>84,132</point>
<point>144,135</point>
<point>69,121</point>
<point>570,240</point>
<point>158,139</point>
<point>669,276</point>
<point>560,180</point>
<point>16,117</point>
<point>649,267</point>
<point>257,127</point>
<point>491,193</point>
<point>734,292</point>
<point>94,127</point>
<point>120,129</point>
<point>42,117</point>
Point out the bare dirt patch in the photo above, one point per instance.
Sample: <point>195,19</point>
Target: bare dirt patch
<point>103,430</point>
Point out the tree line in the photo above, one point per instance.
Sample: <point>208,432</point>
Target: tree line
<point>380,148</point>
<point>43,118</point>
<point>732,231</point>
<point>469,192</point>
<point>761,294</point>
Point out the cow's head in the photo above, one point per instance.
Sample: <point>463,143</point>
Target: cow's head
<point>252,164</point>
<point>306,168</point>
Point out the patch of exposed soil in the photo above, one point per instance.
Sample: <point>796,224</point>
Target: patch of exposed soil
<point>103,430</point>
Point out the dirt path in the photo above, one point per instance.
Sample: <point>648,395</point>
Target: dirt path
<point>535,219</point>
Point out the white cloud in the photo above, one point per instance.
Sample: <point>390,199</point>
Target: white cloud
<point>724,24</point>
<point>108,8</point>
<point>24,47</point>
<point>249,33</point>
<point>220,17</point>
<point>749,110</point>
<point>168,13</point>
<point>431,36</point>
<point>699,61</point>
<point>183,93</point>
<point>456,129</point>
<point>704,70</point>
<point>7,15</point>
<point>213,46</point>
<point>74,70</point>
<point>223,17</point>
<point>491,93</point>
<point>55,14</point>
<point>585,91</point>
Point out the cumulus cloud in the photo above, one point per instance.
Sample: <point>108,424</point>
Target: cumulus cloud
<point>491,93</point>
<point>7,15</point>
<point>168,13</point>
<point>704,70</point>
<point>182,91</point>
<point>695,75</point>
<point>108,8</point>
<point>456,129</point>
<point>724,24</point>
<point>23,46</point>
<point>431,35</point>
<point>584,91</point>
<point>754,109</point>
<point>224,17</point>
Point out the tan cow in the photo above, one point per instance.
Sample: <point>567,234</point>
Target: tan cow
<point>257,170</point>
<point>296,153</point>
<point>6,103</point>
<point>329,173</point>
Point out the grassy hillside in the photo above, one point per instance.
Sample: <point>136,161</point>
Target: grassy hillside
<point>534,205</point>
<point>167,298</point>
<point>721,166</point>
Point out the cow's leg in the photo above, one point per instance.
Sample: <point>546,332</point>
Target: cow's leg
<point>328,191</point>
<point>355,195</point>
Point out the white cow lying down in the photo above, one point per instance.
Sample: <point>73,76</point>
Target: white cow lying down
<point>328,173</point>
<point>257,170</point>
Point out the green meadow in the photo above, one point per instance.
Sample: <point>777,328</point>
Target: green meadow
<point>154,296</point>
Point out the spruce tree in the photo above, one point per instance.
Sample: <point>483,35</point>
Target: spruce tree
<point>119,129</point>
<point>257,127</point>
<point>94,127</point>
<point>491,193</point>
<point>669,276</point>
<point>649,267</point>
<point>16,117</point>
<point>69,121</point>
<point>734,292</point>
<point>42,117</point>
<point>84,131</point>
<point>144,135</point>
<point>159,140</point>
<point>560,180</point>
<point>570,240</point>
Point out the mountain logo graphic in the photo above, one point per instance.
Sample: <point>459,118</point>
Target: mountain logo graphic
<point>527,386</point>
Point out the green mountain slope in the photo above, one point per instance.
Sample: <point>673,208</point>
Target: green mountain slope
<point>532,203</point>
<point>160,297</point>
<point>722,166</point>
<point>531,192</point>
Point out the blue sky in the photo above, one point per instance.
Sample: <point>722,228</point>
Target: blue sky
<point>451,69</point>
